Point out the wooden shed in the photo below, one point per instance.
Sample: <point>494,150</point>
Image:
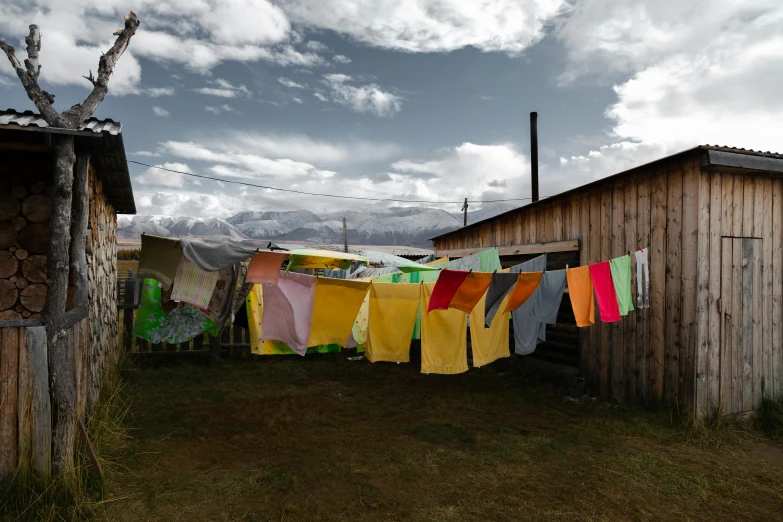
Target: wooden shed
<point>711,217</point>
<point>26,179</point>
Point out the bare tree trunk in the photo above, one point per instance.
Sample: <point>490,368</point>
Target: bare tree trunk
<point>61,363</point>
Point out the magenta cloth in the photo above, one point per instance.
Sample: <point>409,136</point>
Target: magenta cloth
<point>446,286</point>
<point>605,294</point>
<point>288,310</point>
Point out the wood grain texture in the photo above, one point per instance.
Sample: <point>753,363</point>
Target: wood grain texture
<point>657,284</point>
<point>9,371</point>
<point>673,281</point>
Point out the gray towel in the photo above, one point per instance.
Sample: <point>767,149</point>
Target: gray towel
<point>548,296</point>
<point>214,257</point>
<point>528,332</point>
<point>501,284</point>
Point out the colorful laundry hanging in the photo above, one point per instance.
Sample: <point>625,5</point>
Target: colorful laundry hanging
<point>642,278</point>
<point>288,310</point>
<point>311,258</point>
<point>335,307</point>
<point>502,284</point>
<point>160,259</point>
<point>548,296</point>
<point>489,343</point>
<point>580,290</point>
<point>223,291</point>
<point>601,274</point>
<point>392,316</point>
<point>193,285</point>
<point>447,285</point>
<point>181,325</point>
<point>471,291</point>
<point>621,276</point>
<point>527,284</point>
<point>361,324</point>
<point>528,332</point>
<point>484,261</point>
<point>404,265</point>
<point>444,347</point>
<point>419,277</point>
<point>265,267</point>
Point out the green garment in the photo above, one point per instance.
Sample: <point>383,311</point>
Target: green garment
<point>153,325</point>
<point>621,277</point>
<point>485,261</point>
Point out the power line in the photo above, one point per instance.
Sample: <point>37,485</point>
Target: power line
<point>318,193</point>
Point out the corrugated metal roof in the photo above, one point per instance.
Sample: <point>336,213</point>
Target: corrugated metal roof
<point>101,138</point>
<point>29,118</point>
<point>734,150</point>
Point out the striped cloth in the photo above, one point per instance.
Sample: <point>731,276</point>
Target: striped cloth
<point>192,284</point>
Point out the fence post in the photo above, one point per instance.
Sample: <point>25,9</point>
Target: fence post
<point>214,346</point>
<point>127,313</point>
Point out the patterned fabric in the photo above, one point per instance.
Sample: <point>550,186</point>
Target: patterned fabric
<point>193,285</point>
<point>152,324</point>
<point>217,302</point>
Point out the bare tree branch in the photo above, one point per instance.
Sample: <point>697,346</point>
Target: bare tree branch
<point>80,112</point>
<point>29,77</point>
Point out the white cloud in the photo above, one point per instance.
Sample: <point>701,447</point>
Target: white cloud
<point>156,92</point>
<point>341,59</point>
<point>160,112</point>
<point>218,109</point>
<point>186,203</point>
<point>366,99</point>
<point>432,25</point>
<point>297,100</point>
<point>290,83</point>
<point>223,89</point>
<point>680,83</point>
<point>155,176</point>
<point>314,45</point>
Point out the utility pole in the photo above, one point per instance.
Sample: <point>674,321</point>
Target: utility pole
<point>345,236</point>
<point>465,213</point>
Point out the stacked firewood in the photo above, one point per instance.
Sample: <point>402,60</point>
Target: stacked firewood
<point>24,239</point>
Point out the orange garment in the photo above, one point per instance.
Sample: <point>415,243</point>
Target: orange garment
<point>471,291</point>
<point>580,289</point>
<point>265,267</point>
<point>527,283</point>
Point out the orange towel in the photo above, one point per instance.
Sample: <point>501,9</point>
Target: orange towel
<point>527,284</point>
<point>580,288</point>
<point>265,267</point>
<point>471,291</point>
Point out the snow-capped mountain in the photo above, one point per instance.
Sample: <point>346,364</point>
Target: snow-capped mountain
<point>411,226</point>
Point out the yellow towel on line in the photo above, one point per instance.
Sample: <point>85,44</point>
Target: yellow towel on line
<point>335,307</point>
<point>489,344</point>
<point>393,311</point>
<point>444,337</point>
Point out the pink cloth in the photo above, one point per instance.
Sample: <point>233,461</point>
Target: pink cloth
<point>446,286</point>
<point>265,267</point>
<point>288,311</point>
<point>605,294</point>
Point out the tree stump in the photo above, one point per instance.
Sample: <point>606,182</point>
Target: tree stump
<point>18,222</point>
<point>8,294</point>
<point>8,264</point>
<point>33,297</point>
<point>37,208</point>
<point>35,238</point>
<point>9,206</point>
<point>9,315</point>
<point>34,269</point>
<point>8,234</point>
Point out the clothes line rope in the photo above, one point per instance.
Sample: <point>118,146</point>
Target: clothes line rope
<point>392,200</point>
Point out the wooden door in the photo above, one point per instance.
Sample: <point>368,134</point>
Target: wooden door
<point>741,310</point>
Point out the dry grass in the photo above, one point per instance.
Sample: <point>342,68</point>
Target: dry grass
<point>323,438</point>
<point>123,267</point>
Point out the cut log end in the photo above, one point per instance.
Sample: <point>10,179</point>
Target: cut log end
<point>34,297</point>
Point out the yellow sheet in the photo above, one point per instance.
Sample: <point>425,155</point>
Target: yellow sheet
<point>335,307</point>
<point>441,261</point>
<point>444,339</point>
<point>489,344</point>
<point>393,309</point>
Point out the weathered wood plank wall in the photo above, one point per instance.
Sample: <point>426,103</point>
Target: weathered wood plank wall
<point>649,355</point>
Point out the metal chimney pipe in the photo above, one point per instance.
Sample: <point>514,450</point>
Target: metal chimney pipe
<point>534,155</point>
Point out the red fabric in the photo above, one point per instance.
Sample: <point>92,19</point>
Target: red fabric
<point>605,294</point>
<point>446,286</point>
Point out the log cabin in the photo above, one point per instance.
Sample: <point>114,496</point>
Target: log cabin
<point>712,338</point>
<point>26,183</point>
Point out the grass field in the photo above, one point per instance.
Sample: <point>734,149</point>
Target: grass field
<point>324,438</point>
<point>124,266</point>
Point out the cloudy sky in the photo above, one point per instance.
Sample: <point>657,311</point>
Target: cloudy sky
<point>408,99</point>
